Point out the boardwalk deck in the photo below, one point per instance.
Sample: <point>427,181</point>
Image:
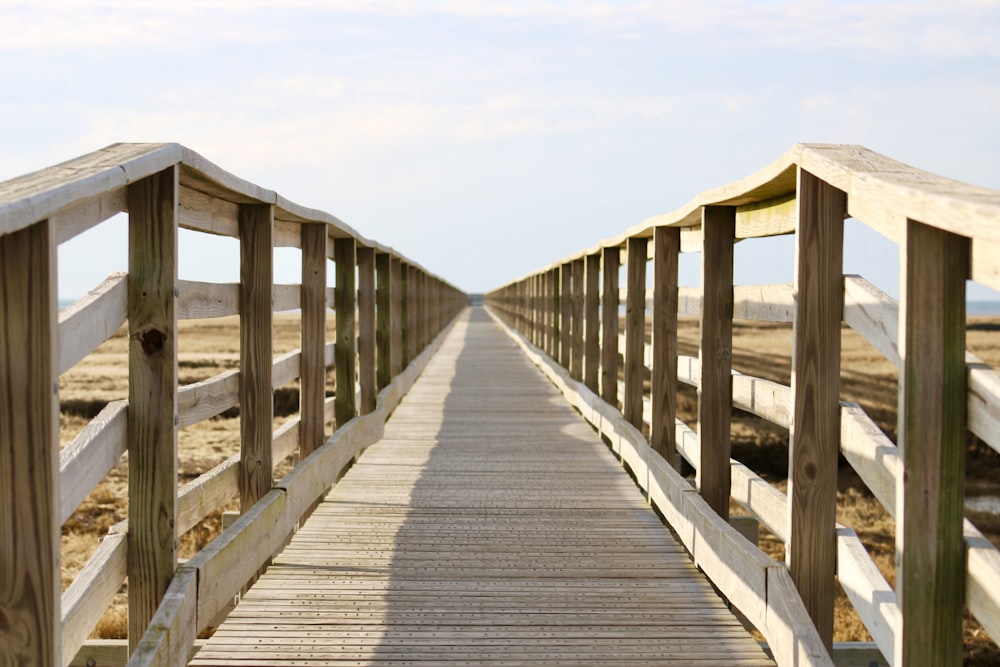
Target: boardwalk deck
<point>489,526</point>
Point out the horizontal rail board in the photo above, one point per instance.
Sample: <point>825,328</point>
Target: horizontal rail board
<point>198,300</point>
<point>92,591</point>
<point>92,320</point>
<point>92,454</point>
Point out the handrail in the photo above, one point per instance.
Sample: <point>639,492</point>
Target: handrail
<point>389,314</point>
<point>568,313</point>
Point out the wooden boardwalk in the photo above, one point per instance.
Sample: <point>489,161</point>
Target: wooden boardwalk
<point>490,526</point>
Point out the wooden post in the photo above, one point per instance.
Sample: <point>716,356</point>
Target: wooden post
<point>397,352</point>
<point>930,581</point>
<point>576,356</point>
<point>312,369</point>
<point>566,314</point>
<point>345,352</point>
<point>662,432</point>
<point>554,310</point>
<point>609,327</point>
<point>383,325</point>
<point>405,315</point>
<point>815,432</point>
<point>412,313</point>
<point>152,410</point>
<point>366,328</point>
<point>592,317</point>
<point>635,331</point>
<point>30,629</point>
<point>715,394</point>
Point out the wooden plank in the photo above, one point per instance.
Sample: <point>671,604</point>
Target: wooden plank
<point>666,248</point>
<point>611,259</point>
<point>91,592</point>
<point>592,335</point>
<point>766,218</point>
<point>29,448</point>
<point>312,364</point>
<point>576,332</point>
<point>366,329</point>
<point>87,214</point>
<point>198,300</point>
<point>566,315</point>
<point>208,213</point>
<point>396,318</point>
<point>286,297</point>
<point>383,326</point>
<point>286,368</point>
<point>209,398</point>
<point>930,581</point>
<point>170,637</point>
<point>86,461</point>
<point>346,350</point>
<point>91,320</point>
<point>256,349</point>
<point>815,431</point>
<point>286,436</point>
<point>635,331</point>
<point>411,313</point>
<point>152,429</point>
<point>207,493</point>
<point>715,393</point>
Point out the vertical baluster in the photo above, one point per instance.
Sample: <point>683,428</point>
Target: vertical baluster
<point>346,346</point>
<point>592,317</point>
<point>384,295</point>
<point>366,328</point>
<point>662,433</point>
<point>312,369</point>
<point>609,327</point>
<point>576,342</point>
<point>815,432</point>
<point>29,449</point>
<point>566,314</point>
<point>152,412</point>
<point>635,331</point>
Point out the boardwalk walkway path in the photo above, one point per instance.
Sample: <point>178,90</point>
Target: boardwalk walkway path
<point>490,526</point>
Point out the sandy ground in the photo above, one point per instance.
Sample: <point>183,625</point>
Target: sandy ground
<point>209,347</point>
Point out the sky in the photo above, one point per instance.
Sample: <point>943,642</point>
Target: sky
<point>487,139</point>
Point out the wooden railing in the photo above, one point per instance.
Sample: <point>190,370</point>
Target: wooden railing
<point>388,311</point>
<point>947,232</point>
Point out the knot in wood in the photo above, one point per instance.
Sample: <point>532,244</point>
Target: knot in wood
<point>810,471</point>
<point>151,340</point>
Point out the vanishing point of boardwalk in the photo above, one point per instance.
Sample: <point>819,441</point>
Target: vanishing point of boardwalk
<point>492,526</point>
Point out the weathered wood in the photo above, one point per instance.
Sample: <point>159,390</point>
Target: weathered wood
<point>207,213</point>
<point>198,300</point>
<point>256,350</point>
<point>86,461</point>
<point>566,315</point>
<point>396,318</point>
<point>815,432</point>
<point>286,368</point>
<point>592,316</point>
<point>286,298</point>
<point>206,399</point>
<point>576,333</point>
<point>383,324</point>
<point>312,391</point>
<point>635,331</point>
<point>366,329</point>
<point>411,313</point>
<point>715,393</point>
<point>29,449</point>
<point>91,320</point>
<point>170,637</point>
<point>91,592</point>
<point>930,581</point>
<point>207,493</point>
<point>611,259</point>
<point>286,436</point>
<point>663,389</point>
<point>152,429</point>
<point>346,350</point>
<point>89,213</point>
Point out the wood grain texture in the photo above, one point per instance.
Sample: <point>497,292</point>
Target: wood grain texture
<point>92,592</point>
<point>91,320</point>
<point>346,309</point>
<point>663,389</point>
<point>256,351</point>
<point>152,427</point>
<point>592,317</point>
<point>715,393</point>
<point>29,449</point>
<point>383,321</point>
<point>635,331</point>
<point>312,391</point>
<point>366,329</point>
<point>610,268</point>
<point>576,331</point>
<point>566,315</point>
<point>87,214</point>
<point>929,504</point>
<point>815,431</point>
<point>396,317</point>
<point>483,563</point>
<point>86,461</point>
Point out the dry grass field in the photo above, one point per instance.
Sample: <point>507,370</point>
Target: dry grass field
<point>209,347</point>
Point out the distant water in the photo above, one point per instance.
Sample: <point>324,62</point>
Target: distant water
<point>982,308</point>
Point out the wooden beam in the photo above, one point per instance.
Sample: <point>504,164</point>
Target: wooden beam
<point>609,327</point>
<point>715,394</point>
<point>565,314</point>
<point>411,333</point>
<point>152,429</point>
<point>662,431</point>
<point>932,429</point>
<point>635,331</point>
<point>592,317</point>
<point>30,628</point>
<point>312,394</point>
<point>397,353</point>
<point>815,432</point>
<point>366,328</point>
<point>383,323</point>
<point>346,347</point>
<point>576,334</point>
